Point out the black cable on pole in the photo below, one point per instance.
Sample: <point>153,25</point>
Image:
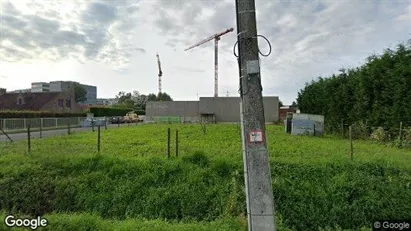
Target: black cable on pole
<point>235,44</point>
<point>262,36</point>
<point>240,90</point>
<point>269,44</point>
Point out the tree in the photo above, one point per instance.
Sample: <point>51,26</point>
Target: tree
<point>376,92</point>
<point>164,97</point>
<point>80,93</point>
<point>135,96</point>
<point>151,97</point>
<point>120,94</point>
<point>294,105</point>
<point>138,101</point>
<point>280,103</point>
<point>124,100</point>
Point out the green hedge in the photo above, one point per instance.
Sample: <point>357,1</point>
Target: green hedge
<point>103,111</point>
<point>37,114</point>
<point>140,112</point>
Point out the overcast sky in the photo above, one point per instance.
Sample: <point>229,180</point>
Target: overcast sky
<point>113,44</point>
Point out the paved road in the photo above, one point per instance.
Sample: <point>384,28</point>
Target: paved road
<point>50,133</point>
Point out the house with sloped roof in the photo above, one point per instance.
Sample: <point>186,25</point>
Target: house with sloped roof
<point>56,102</point>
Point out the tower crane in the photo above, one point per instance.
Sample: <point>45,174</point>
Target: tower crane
<point>160,73</point>
<point>216,38</point>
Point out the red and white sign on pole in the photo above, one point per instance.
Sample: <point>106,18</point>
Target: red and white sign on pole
<point>256,136</point>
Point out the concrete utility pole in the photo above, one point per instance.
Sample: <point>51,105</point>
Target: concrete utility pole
<point>257,173</point>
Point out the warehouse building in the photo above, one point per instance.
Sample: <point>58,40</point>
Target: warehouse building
<point>212,109</point>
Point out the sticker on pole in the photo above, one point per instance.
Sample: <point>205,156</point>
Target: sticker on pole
<point>256,136</point>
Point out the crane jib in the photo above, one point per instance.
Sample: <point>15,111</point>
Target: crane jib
<point>216,38</point>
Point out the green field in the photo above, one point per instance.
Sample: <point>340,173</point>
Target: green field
<point>132,185</point>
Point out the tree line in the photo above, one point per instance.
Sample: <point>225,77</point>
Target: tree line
<point>377,93</point>
<point>138,101</point>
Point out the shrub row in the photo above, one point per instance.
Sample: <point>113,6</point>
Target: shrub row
<point>347,195</point>
<point>102,111</point>
<point>37,114</point>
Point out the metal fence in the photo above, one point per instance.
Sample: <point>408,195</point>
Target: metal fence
<point>171,119</point>
<point>36,123</point>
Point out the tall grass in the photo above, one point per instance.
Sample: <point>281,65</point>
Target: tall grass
<point>315,183</point>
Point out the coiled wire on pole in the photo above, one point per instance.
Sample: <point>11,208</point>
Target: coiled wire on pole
<point>240,90</point>
<point>265,55</point>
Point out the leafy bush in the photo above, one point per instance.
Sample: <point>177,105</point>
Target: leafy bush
<point>359,130</point>
<point>379,135</point>
<point>37,114</point>
<point>140,112</point>
<point>407,135</point>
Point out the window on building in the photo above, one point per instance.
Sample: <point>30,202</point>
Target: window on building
<point>60,103</point>
<point>20,101</point>
<point>68,103</point>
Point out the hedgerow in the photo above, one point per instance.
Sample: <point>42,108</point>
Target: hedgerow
<point>37,114</point>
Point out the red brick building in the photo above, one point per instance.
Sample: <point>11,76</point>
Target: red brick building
<point>40,101</point>
<point>284,110</point>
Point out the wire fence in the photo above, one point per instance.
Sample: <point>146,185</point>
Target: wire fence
<point>399,136</point>
<point>98,139</point>
<point>21,124</point>
<point>172,119</point>
<point>379,133</point>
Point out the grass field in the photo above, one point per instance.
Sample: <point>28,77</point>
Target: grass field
<point>132,183</point>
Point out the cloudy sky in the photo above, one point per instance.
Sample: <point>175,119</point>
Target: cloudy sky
<point>113,44</point>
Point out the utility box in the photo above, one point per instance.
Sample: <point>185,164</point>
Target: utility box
<point>253,67</point>
<point>307,124</point>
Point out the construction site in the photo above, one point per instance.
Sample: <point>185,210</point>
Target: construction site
<point>209,109</point>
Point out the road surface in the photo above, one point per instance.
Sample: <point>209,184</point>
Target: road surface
<point>57,132</point>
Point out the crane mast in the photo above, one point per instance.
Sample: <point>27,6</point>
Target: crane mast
<point>216,38</point>
<point>160,73</point>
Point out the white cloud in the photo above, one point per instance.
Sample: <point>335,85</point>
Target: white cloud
<point>112,44</point>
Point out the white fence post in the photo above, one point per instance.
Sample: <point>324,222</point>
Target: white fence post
<point>25,123</point>
<point>56,122</point>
